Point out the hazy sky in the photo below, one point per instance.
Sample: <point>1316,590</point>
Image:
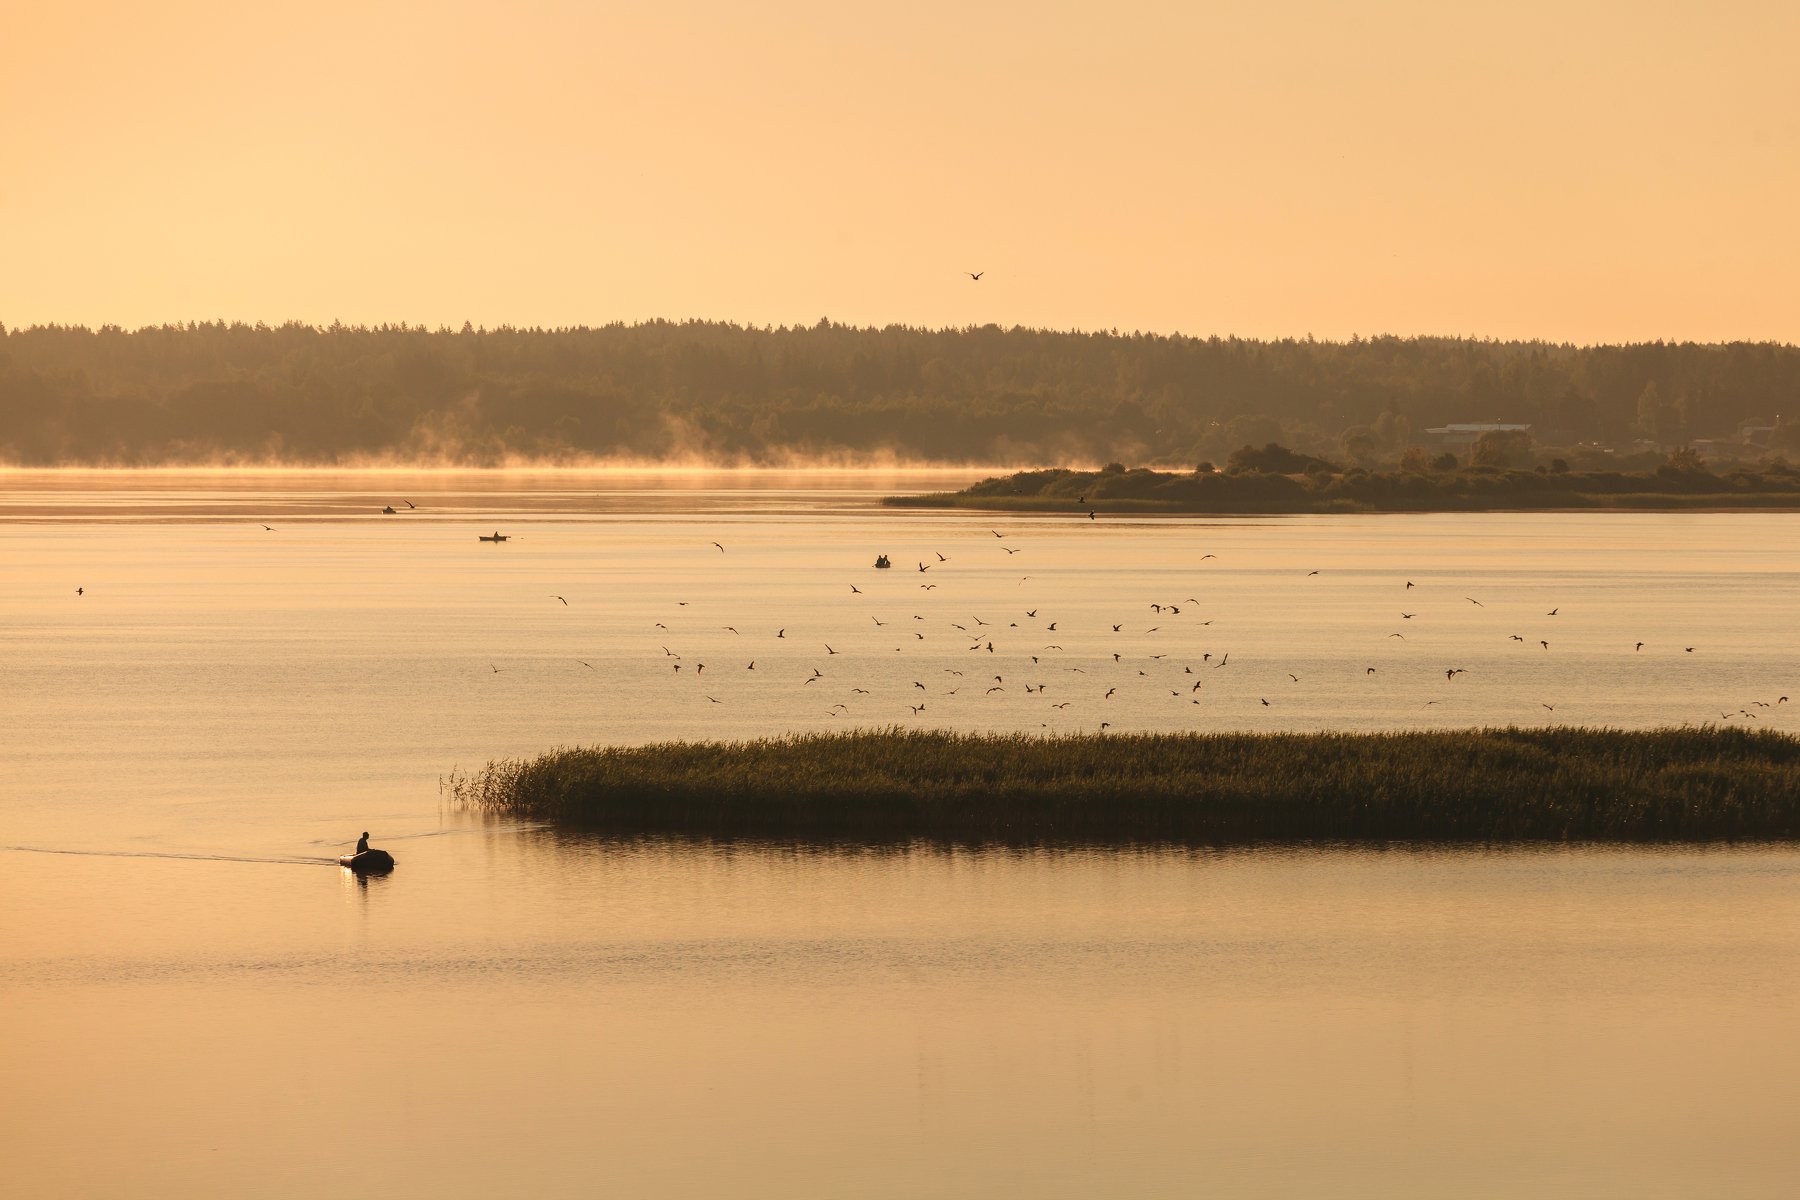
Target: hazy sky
<point>1576,171</point>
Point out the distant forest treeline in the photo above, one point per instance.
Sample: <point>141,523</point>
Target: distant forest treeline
<point>218,392</point>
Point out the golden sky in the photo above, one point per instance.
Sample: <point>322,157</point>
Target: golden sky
<point>1574,171</point>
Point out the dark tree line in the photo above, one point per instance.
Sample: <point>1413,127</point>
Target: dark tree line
<point>729,393</point>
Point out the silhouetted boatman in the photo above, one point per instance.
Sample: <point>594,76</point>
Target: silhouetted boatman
<point>362,843</point>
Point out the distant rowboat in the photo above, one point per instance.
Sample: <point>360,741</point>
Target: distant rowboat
<point>497,537</point>
<point>368,862</point>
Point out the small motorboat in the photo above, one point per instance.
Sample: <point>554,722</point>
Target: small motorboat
<point>497,536</point>
<point>368,862</point>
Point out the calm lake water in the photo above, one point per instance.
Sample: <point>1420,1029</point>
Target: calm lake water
<point>198,1001</point>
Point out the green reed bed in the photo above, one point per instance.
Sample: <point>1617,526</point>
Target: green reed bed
<point>1486,785</point>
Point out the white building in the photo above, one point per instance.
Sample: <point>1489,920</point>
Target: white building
<point>1461,437</point>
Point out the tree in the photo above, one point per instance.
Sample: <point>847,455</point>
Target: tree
<point>1275,459</point>
<point>1684,459</point>
<point>1393,427</point>
<point>1361,445</point>
<point>1659,420</point>
<point>1501,448</point>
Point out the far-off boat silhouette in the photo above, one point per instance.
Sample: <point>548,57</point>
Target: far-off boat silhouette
<point>496,536</point>
<point>881,561</point>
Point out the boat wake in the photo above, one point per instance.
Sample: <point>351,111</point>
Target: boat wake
<point>292,860</point>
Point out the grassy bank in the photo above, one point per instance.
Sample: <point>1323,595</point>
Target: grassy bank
<point>1326,489</point>
<point>1491,785</point>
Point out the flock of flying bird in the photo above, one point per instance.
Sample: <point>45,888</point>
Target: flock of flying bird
<point>1023,652</point>
<point>1071,673</point>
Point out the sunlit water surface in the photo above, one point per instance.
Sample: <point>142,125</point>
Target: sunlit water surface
<point>197,1001</point>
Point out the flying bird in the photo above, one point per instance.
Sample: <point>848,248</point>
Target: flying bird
<point>1474,601</point>
<point>721,551</point>
<point>975,275</point>
<point>565,602</point>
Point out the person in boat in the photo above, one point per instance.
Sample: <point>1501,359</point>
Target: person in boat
<point>362,843</point>
<point>881,560</point>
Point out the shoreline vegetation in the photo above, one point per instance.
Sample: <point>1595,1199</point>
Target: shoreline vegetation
<point>1277,480</point>
<point>1475,786</point>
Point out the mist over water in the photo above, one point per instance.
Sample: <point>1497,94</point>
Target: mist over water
<point>225,707</point>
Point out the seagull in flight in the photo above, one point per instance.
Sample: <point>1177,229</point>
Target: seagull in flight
<point>975,275</point>
<point>565,602</point>
<point>721,551</point>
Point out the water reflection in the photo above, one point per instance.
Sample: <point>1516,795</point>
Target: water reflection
<point>906,1020</point>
